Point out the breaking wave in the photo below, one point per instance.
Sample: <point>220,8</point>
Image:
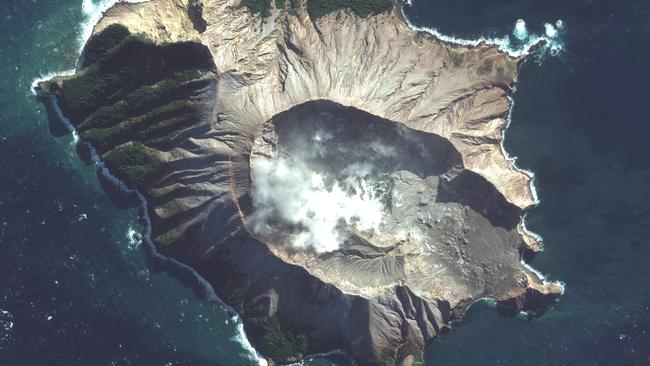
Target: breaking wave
<point>324,355</point>
<point>93,12</point>
<point>521,45</point>
<point>6,326</point>
<point>134,238</point>
<point>171,265</point>
<point>242,339</point>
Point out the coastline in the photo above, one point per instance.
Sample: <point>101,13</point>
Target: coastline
<point>149,247</point>
<point>503,44</point>
<point>549,46</point>
<point>95,14</point>
<point>522,54</point>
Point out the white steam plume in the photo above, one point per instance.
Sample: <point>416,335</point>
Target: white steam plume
<point>292,199</point>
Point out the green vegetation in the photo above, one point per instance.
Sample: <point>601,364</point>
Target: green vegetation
<point>382,190</point>
<point>195,12</point>
<point>274,342</point>
<point>133,163</point>
<point>268,334</point>
<point>257,6</point>
<point>388,357</point>
<point>99,45</point>
<point>320,8</point>
<point>131,97</point>
<point>294,5</point>
<point>165,240</point>
<point>486,67</point>
<point>510,69</point>
<point>171,238</point>
<point>139,101</point>
<point>171,209</point>
<point>157,193</point>
<point>511,65</point>
<point>419,360</point>
<point>155,123</point>
<point>363,8</point>
<point>457,58</point>
<point>131,64</point>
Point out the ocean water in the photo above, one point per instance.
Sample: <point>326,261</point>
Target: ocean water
<point>77,289</point>
<point>580,123</point>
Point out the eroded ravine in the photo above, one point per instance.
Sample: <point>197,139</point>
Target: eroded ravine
<point>342,192</point>
<point>339,191</point>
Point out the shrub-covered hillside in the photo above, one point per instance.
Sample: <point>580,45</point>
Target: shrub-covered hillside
<point>130,99</point>
<point>320,8</point>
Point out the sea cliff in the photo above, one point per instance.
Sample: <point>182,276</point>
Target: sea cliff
<point>184,99</point>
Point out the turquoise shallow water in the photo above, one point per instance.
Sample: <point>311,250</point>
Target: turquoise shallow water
<point>75,289</point>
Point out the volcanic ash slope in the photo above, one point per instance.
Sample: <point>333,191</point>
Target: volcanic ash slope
<point>449,232</point>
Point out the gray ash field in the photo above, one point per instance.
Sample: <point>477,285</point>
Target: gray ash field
<point>80,287</point>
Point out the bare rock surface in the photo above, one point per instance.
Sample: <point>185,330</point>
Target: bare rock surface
<point>426,120</point>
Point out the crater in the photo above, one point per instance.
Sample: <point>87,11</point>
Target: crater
<point>322,223</point>
<point>341,191</point>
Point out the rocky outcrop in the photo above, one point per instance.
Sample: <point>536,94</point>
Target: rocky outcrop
<point>224,90</point>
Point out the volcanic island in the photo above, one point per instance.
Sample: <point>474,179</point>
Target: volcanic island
<point>335,175</point>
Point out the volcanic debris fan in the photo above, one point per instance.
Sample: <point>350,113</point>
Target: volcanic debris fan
<point>336,176</point>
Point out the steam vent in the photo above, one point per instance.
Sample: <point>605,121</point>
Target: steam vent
<point>338,179</point>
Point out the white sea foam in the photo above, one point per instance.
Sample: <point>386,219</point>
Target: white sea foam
<point>540,275</point>
<point>550,30</point>
<point>93,13</point>
<point>6,326</point>
<point>313,356</point>
<point>49,76</point>
<point>68,125</point>
<point>75,137</point>
<point>520,31</point>
<point>537,273</point>
<point>513,159</point>
<point>537,237</point>
<point>551,43</point>
<point>486,300</point>
<point>525,41</point>
<point>530,233</point>
<point>243,340</point>
<point>133,237</point>
<point>151,248</point>
<point>533,190</point>
<point>146,235</point>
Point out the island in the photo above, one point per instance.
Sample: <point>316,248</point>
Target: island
<point>335,175</point>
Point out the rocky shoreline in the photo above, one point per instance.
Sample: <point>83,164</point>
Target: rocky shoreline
<point>176,100</point>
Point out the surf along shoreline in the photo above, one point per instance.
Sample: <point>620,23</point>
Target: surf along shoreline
<point>93,13</point>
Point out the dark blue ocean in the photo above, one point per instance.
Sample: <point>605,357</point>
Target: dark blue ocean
<point>77,289</point>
